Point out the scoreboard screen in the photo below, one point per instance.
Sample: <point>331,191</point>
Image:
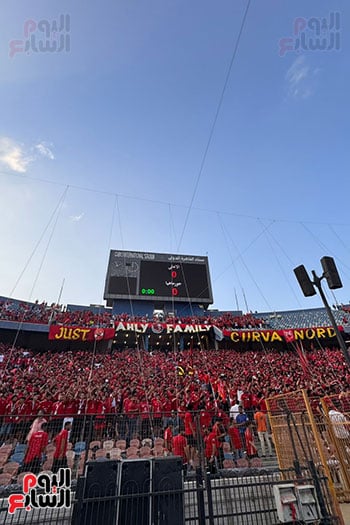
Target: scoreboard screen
<point>158,277</point>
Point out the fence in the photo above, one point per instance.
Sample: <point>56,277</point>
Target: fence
<point>240,495</point>
<point>334,428</point>
<point>233,499</point>
<point>299,428</point>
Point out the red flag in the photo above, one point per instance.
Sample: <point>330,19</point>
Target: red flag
<point>303,359</point>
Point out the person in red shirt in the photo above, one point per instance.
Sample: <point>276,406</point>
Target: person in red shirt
<point>132,412</point>
<point>145,418</point>
<point>168,437</point>
<point>61,442</point>
<point>179,446</point>
<point>251,449</point>
<point>157,412</point>
<point>190,434</point>
<point>58,413</point>
<point>212,445</point>
<point>236,441</point>
<point>36,447</point>
<point>246,401</point>
<point>8,421</point>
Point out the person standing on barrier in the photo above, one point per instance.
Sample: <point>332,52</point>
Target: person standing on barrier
<point>190,435</point>
<point>61,442</point>
<point>180,448</point>
<point>36,447</point>
<point>236,441</point>
<point>251,449</point>
<point>212,446</point>
<point>260,418</point>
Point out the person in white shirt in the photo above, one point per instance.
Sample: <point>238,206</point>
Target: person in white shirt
<point>234,409</point>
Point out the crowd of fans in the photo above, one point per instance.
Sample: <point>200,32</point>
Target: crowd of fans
<point>183,398</point>
<point>42,313</point>
<point>136,382</point>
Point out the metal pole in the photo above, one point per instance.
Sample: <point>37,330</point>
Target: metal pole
<point>317,283</point>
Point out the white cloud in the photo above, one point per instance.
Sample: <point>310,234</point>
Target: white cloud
<point>45,150</point>
<point>76,218</point>
<point>300,79</point>
<point>13,155</point>
<point>17,157</point>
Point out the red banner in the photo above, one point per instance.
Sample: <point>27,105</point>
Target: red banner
<point>74,333</point>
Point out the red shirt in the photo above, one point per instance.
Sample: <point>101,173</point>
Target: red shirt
<point>71,407</point>
<point>205,418</point>
<point>189,425</point>
<point>36,446</point>
<point>168,436</point>
<point>249,438</point>
<point>157,408</point>
<point>246,400</point>
<point>32,407</point>
<point>58,409</point>
<point>211,442</point>
<point>144,410</point>
<point>235,437</point>
<point>46,406</point>
<point>132,409</point>
<point>179,443</point>
<point>61,441</point>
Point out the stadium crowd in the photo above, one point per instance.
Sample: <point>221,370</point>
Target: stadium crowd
<point>137,382</point>
<point>51,400</point>
<point>42,313</point>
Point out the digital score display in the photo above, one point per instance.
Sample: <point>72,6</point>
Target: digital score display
<point>160,277</point>
<point>173,280</point>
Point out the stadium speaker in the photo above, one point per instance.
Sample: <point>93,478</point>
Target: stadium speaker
<point>168,504</point>
<point>100,481</point>
<point>304,281</point>
<point>134,500</point>
<point>331,273</point>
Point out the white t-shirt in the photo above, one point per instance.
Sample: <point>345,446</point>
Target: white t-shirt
<point>340,429</point>
<point>234,410</point>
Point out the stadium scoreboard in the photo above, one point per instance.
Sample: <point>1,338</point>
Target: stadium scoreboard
<point>158,277</point>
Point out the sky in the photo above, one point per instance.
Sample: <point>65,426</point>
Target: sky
<point>146,131</point>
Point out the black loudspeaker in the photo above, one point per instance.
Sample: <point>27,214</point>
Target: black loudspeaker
<point>304,281</point>
<point>331,273</point>
<point>168,504</point>
<point>135,488</point>
<point>100,481</point>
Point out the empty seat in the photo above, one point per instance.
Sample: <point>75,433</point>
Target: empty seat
<point>5,479</point>
<point>108,444</point>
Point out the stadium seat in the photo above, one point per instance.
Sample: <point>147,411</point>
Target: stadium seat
<point>255,462</point>
<point>5,479</point>
<point>11,468</point>
<point>115,453</point>
<point>132,451</point>
<point>242,463</point>
<point>145,452</point>
<point>95,445</point>
<point>79,447</point>
<point>109,444</point>
<point>17,457</point>
<point>121,443</point>
<point>20,447</point>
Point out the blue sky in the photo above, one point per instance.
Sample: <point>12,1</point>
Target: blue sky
<point>128,111</point>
